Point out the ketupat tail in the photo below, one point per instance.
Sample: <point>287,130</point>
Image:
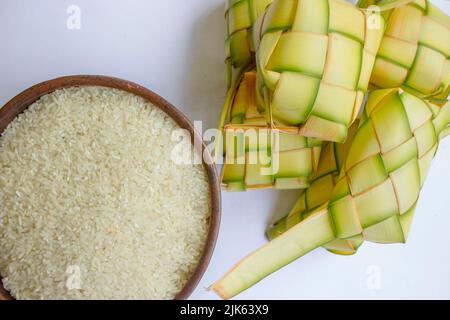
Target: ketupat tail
<point>376,193</point>
<point>240,16</point>
<point>314,60</point>
<point>251,147</point>
<point>415,50</point>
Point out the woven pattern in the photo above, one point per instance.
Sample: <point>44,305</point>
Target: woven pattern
<point>415,51</point>
<point>376,193</point>
<point>386,167</point>
<point>314,60</point>
<point>240,16</point>
<point>319,193</point>
<point>252,147</point>
<point>382,168</point>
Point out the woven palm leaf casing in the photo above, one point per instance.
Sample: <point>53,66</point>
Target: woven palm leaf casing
<point>314,60</point>
<point>386,167</point>
<point>376,193</point>
<point>251,146</point>
<point>415,51</point>
<point>319,193</point>
<point>240,17</point>
<point>417,150</point>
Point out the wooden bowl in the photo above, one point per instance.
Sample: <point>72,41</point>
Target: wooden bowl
<point>22,101</point>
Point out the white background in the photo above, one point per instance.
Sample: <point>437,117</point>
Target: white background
<point>175,47</point>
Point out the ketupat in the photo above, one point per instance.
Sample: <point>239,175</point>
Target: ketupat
<point>240,17</point>
<point>312,56</point>
<point>376,194</point>
<point>415,50</point>
<point>251,146</point>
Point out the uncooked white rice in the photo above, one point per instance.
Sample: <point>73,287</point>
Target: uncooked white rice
<point>91,206</point>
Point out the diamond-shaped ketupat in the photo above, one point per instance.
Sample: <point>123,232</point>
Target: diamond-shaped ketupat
<point>368,195</point>
<point>314,59</point>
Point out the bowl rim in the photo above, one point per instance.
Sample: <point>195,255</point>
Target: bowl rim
<point>24,99</point>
